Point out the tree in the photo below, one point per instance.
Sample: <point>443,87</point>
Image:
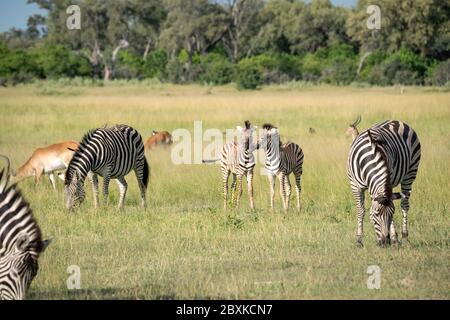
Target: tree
<point>242,26</point>
<point>107,27</point>
<point>422,26</point>
<point>193,25</point>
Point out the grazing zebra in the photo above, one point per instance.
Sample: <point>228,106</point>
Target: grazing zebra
<point>281,161</point>
<point>111,153</point>
<point>381,158</point>
<point>237,159</point>
<point>20,242</point>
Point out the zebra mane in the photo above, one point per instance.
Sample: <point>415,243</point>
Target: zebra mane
<point>376,140</point>
<point>14,211</point>
<point>268,126</point>
<point>82,145</point>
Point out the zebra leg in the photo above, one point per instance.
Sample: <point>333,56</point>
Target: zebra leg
<point>359,197</point>
<point>93,178</point>
<point>51,176</point>
<point>233,189</point>
<point>123,186</point>
<point>238,190</point>
<point>404,204</point>
<point>287,186</point>
<point>250,188</point>
<point>106,180</point>
<point>142,190</point>
<point>282,178</point>
<point>272,190</point>
<point>393,233</point>
<point>225,175</point>
<point>298,189</point>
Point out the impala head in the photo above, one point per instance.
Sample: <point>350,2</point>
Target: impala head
<point>382,213</point>
<point>270,136</point>
<point>352,128</point>
<point>19,266</point>
<point>246,134</point>
<point>73,189</point>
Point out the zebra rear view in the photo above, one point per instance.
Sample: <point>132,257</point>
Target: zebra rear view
<point>111,153</point>
<point>21,242</point>
<point>381,158</point>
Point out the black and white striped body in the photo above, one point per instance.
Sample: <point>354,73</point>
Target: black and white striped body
<point>111,153</point>
<point>281,161</point>
<point>381,158</point>
<point>237,159</point>
<point>20,243</point>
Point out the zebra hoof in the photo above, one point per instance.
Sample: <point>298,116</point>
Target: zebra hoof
<point>359,243</point>
<point>405,235</point>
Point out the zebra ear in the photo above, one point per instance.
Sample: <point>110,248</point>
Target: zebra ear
<point>398,195</point>
<point>22,242</point>
<point>382,199</point>
<point>46,243</point>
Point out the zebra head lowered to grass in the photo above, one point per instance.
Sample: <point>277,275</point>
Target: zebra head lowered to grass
<point>381,158</point>
<point>20,242</point>
<point>281,161</point>
<point>237,159</point>
<point>111,153</point>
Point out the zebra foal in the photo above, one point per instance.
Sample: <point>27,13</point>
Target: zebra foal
<point>381,158</point>
<point>111,153</point>
<point>281,161</point>
<point>237,159</point>
<point>20,242</point>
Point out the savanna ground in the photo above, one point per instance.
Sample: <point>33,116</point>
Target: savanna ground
<point>185,246</point>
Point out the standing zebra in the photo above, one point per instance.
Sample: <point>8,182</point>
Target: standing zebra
<point>281,161</point>
<point>111,153</point>
<point>20,242</point>
<point>238,159</point>
<point>381,158</point>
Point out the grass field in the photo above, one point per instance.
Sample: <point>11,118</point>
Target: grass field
<point>185,246</point>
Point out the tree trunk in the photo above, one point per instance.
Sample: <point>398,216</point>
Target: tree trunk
<point>107,73</point>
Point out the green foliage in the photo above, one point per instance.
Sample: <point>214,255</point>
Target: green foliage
<point>205,41</point>
<point>403,67</point>
<point>216,69</point>
<point>440,74</point>
<point>57,61</point>
<point>135,66</point>
<point>248,74</point>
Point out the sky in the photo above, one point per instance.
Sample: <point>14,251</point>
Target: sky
<point>15,13</point>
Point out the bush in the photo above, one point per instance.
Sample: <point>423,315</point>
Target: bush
<point>57,61</point>
<point>439,74</point>
<point>248,75</point>
<point>16,66</point>
<point>403,67</point>
<point>216,69</point>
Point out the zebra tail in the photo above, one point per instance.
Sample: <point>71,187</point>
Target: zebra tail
<point>210,161</point>
<point>146,172</point>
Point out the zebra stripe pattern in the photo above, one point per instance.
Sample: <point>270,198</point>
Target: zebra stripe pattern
<point>281,161</point>
<point>111,153</point>
<point>237,159</point>
<point>20,243</point>
<point>380,159</point>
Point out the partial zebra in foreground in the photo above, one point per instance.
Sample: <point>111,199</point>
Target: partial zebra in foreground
<point>281,161</point>
<point>111,153</point>
<point>384,156</point>
<point>21,242</point>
